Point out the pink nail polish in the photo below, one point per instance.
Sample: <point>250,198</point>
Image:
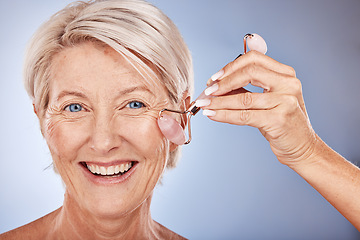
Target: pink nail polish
<point>217,75</point>
<point>209,113</point>
<point>211,89</point>
<point>202,102</point>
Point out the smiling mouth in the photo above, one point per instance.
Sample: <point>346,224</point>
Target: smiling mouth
<point>114,170</point>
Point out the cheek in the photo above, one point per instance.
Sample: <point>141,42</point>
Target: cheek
<point>152,145</point>
<point>68,140</point>
<point>64,138</point>
<point>144,133</point>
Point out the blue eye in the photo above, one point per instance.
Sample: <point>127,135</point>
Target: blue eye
<point>74,107</point>
<point>136,105</point>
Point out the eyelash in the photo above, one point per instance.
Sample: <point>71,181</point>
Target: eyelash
<point>138,102</point>
<point>67,108</point>
<point>81,108</point>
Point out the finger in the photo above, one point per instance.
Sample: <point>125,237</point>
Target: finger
<point>262,119</point>
<point>261,77</point>
<point>236,91</point>
<point>249,100</point>
<point>253,118</point>
<point>253,57</point>
<point>289,86</point>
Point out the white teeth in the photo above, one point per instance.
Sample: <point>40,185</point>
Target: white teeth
<point>108,171</point>
<point>117,169</point>
<point>102,170</point>
<point>97,169</point>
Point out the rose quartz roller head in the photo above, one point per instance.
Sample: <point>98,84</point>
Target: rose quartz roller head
<point>255,42</point>
<point>171,128</point>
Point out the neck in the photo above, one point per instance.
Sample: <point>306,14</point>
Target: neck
<point>74,222</point>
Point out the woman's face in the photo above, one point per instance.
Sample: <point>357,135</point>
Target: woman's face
<point>101,129</point>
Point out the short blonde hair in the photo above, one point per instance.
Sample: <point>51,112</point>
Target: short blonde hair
<point>134,28</point>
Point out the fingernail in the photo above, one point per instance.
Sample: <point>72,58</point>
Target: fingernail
<point>209,113</point>
<point>217,75</point>
<point>211,89</point>
<point>203,102</point>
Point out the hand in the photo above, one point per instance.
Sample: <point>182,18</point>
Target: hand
<point>279,112</point>
<point>280,115</point>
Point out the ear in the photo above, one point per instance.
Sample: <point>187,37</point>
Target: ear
<point>36,111</point>
<point>183,106</point>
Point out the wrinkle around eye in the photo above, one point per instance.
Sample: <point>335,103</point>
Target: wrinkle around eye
<point>146,116</point>
<point>148,110</point>
<point>144,112</point>
<point>133,107</point>
<point>60,112</point>
<point>126,111</point>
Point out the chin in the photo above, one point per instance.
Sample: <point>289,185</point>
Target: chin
<point>113,200</point>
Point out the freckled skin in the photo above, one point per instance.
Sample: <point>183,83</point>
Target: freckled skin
<point>106,129</point>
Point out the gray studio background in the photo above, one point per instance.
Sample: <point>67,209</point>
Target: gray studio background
<point>228,184</point>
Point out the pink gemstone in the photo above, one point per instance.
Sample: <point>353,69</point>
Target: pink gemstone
<point>257,43</point>
<point>171,129</point>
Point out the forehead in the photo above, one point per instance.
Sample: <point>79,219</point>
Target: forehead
<point>94,67</point>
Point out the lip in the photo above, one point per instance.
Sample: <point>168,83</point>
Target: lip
<point>109,180</point>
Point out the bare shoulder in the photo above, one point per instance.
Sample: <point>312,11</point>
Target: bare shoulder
<point>37,229</point>
<point>165,233</point>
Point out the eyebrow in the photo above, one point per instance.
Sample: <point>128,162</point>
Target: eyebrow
<point>72,93</point>
<point>135,89</point>
<point>123,92</point>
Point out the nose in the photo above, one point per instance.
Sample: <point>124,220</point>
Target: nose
<point>104,138</point>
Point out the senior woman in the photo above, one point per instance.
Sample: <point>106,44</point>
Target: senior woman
<point>100,72</point>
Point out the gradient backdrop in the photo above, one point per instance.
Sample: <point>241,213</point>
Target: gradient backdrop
<point>228,184</point>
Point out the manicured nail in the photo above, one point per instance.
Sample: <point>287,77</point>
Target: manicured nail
<point>217,75</point>
<point>202,102</point>
<point>211,89</point>
<point>209,113</point>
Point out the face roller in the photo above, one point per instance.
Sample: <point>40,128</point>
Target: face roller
<point>171,128</point>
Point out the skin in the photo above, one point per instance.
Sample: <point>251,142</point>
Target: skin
<point>280,115</point>
<point>104,130</point>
